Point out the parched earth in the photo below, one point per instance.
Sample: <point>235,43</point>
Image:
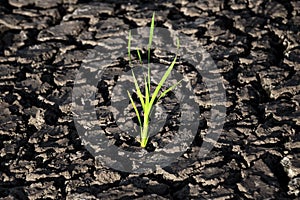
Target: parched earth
<point>256,47</point>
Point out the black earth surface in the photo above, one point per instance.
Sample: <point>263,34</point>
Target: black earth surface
<point>255,46</point>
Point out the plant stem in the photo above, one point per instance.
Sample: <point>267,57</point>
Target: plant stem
<point>144,138</point>
<point>144,135</point>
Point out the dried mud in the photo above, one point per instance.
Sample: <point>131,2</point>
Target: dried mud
<point>256,47</point>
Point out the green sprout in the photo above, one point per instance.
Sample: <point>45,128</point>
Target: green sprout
<point>147,100</point>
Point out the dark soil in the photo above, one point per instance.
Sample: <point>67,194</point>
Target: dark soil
<point>256,47</point>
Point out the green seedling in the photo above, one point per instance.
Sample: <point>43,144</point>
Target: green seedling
<point>147,100</point>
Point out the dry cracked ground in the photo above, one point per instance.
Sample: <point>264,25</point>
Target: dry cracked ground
<point>256,47</point>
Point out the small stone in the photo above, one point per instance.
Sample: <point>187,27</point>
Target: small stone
<point>62,31</point>
<point>62,78</point>
<point>91,12</point>
<point>38,119</point>
<point>70,57</point>
<point>292,58</point>
<point>294,187</point>
<point>8,72</point>
<point>275,10</point>
<point>272,77</point>
<point>192,10</point>
<point>109,27</point>
<point>42,190</point>
<point>38,3</point>
<point>15,21</point>
<point>106,177</point>
<point>238,5</point>
<point>153,187</point>
<point>124,191</point>
<point>36,53</point>
<point>80,195</point>
<point>213,5</point>
<point>252,182</point>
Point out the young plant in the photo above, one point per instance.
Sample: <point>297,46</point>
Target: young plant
<point>147,100</point>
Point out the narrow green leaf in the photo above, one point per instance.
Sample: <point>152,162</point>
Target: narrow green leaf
<point>149,49</point>
<point>138,90</point>
<point>149,78</point>
<point>177,44</point>
<point>135,109</point>
<point>140,59</point>
<point>139,55</point>
<point>173,86</point>
<point>169,89</point>
<point>147,93</point>
<point>151,35</point>
<point>161,82</point>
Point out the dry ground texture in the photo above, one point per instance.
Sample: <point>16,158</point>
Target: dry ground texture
<point>255,45</point>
